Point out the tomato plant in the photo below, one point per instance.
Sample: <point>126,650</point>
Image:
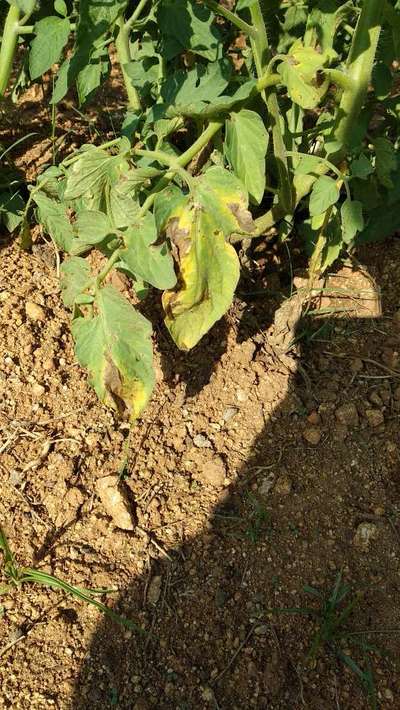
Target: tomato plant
<point>241,116</point>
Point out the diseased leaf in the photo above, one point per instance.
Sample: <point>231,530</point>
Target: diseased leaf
<point>208,275</point>
<point>166,204</point>
<point>352,219</point>
<point>325,193</point>
<point>246,143</point>
<point>55,220</point>
<point>115,346</point>
<point>51,37</point>
<point>224,197</point>
<point>153,264</point>
<point>91,174</point>
<point>299,74</point>
<point>75,275</point>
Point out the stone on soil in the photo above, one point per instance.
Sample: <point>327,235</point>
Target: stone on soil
<point>347,414</point>
<point>115,502</point>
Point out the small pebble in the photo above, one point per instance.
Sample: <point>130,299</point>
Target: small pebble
<point>347,414</point>
<point>38,390</point>
<point>312,435</point>
<point>154,590</point>
<point>375,417</point>
<point>283,486</point>
<point>202,442</point>
<point>34,311</point>
<point>365,533</point>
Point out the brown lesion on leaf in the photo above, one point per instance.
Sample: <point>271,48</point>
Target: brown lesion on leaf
<point>243,217</point>
<point>179,238</point>
<point>114,386</point>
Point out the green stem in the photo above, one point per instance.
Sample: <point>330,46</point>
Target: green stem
<point>235,19</point>
<point>268,80</point>
<point>359,69</point>
<point>170,160</point>
<point>136,14</point>
<point>341,79</point>
<point>182,161</point>
<point>29,29</point>
<point>124,57</point>
<point>8,46</point>
<point>262,57</point>
<point>109,265</point>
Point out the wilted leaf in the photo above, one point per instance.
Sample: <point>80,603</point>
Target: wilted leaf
<point>246,143</point>
<point>208,274</point>
<point>115,346</point>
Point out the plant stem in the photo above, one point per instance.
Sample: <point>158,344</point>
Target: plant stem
<point>235,19</point>
<point>136,14</point>
<point>268,80</point>
<point>262,57</point>
<point>359,69</point>
<point>109,265</point>
<point>341,79</point>
<point>124,57</point>
<point>182,161</point>
<point>169,160</point>
<point>8,46</point>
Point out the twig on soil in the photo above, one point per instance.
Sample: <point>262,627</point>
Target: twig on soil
<point>10,645</point>
<point>393,373</point>
<point>235,655</point>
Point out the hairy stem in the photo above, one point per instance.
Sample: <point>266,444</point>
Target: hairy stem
<point>8,46</point>
<point>235,19</point>
<point>359,69</point>
<point>124,57</point>
<point>136,14</point>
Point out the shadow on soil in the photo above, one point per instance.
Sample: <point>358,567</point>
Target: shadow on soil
<point>288,519</point>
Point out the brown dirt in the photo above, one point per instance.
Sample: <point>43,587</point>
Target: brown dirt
<point>247,480</point>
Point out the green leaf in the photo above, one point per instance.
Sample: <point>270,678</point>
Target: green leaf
<point>385,161</point>
<point>325,193</point>
<point>11,210</point>
<point>202,83</point>
<point>243,4</point>
<point>166,204</point>
<point>208,274</point>
<point>352,219</point>
<point>75,276</point>
<point>55,220</point>
<point>92,226</point>
<point>153,264</point>
<point>307,164</point>
<point>188,25</point>
<point>246,143</point>
<point>115,346</point>
<point>51,37</point>
<point>361,167</point>
<point>382,80</point>
<point>61,7</point>
<point>26,6</point>
<point>299,73</point>
<point>92,75</point>
<point>220,105</point>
